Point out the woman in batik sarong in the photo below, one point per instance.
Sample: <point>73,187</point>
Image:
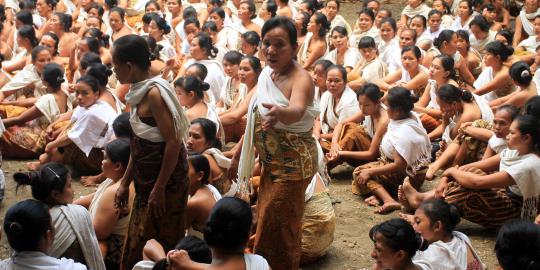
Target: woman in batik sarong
<point>280,121</point>
<point>158,164</point>
<point>405,151</point>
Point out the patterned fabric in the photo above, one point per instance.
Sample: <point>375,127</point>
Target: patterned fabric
<point>474,148</point>
<point>167,230</point>
<point>114,251</point>
<point>429,123</point>
<point>85,165</point>
<point>26,141</point>
<point>353,137</point>
<point>223,184</point>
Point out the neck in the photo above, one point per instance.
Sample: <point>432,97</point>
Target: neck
<point>497,66</point>
<point>441,81</point>
<point>525,150</point>
<point>377,112</point>
<point>220,256</point>
<point>193,189</point>
<point>342,50</point>
<point>141,75</point>
<point>246,21</point>
<point>530,9</point>
<point>447,238</point>
<point>337,95</point>
<point>251,84</point>
<point>60,33</point>
<point>285,70</point>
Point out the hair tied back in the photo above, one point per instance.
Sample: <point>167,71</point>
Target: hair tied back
<point>525,73</point>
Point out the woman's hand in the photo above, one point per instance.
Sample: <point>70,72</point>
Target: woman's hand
<point>334,150</point>
<point>450,171</point>
<point>441,188</point>
<point>156,201</point>
<point>271,118</point>
<point>232,172</point>
<point>364,177</point>
<point>121,198</point>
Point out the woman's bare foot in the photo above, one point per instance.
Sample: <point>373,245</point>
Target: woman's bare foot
<point>92,180</point>
<point>410,197</point>
<point>407,217</point>
<point>388,207</point>
<point>33,166</point>
<point>372,201</point>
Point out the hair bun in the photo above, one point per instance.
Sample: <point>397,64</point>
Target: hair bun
<point>15,229</point>
<point>525,73</point>
<point>205,86</point>
<point>60,79</point>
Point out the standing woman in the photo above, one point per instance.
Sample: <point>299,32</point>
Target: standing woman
<point>342,54</point>
<point>158,163</point>
<point>314,46</point>
<point>280,121</point>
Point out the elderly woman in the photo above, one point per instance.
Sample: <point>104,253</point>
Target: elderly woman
<point>60,24</point>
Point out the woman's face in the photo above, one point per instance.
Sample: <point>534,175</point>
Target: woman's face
<point>491,60</point>
<point>191,31</point>
<point>434,22</point>
<point>55,24</point>
<point>66,196</point>
<point>154,31</point>
<point>193,176</point>
<point>82,48</point>
<point>84,94</point>
<point>48,42</point>
<point>463,9</point>
<point>380,16</point>
<point>422,225</point>
<point>43,8</point>
<point>477,32</point>
<point>387,32</point>
<point>367,106</point>
<point>217,19</point>
<point>195,50</point>
<point>196,141</point>
<point>335,84</point>
<point>264,13</point>
<point>115,21</point>
<point>384,256</point>
<point>414,3</point>
<point>298,21</point>
<point>417,25</point>
<point>303,7</point>
<point>248,49</point>
<point>313,26</point>
<point>246,74</point>
<point>243,12</point>
<point>42,59</point>
<point>438,5</point>
<point>368,53</point>
<point>230,69</point>
<point>502,39</point>
<point>93,12</point>
<point>319,77</point>
<point>514,139</point>
<point>406,38</point>
<point>501,123</point>
<point>451,46</point>
<point>364,22</point>
<point>277,48</point>
<point>448,108</point>
<point>536,24</point>
<point>409,61</point>
<point>531,4</point>
<point>436,70</point>
<point>185,98</point>
<point>339,40</point>
<point>462,44</point>
<point>331,10</point>
<point>93,22</point>
<point>108,166</point>
<point>151,8</point>
<point>173,6</point>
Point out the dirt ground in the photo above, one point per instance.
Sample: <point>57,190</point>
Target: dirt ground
<point>351,248</point>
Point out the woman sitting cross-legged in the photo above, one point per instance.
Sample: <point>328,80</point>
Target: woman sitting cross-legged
<point>405,150</point>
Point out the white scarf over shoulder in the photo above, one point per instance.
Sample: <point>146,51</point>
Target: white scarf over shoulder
<point>135,96</point>
<point>527,25</point>
<point>73,222</point>
<point>47,105</point>
<point>267,92</point>
<point>23,78</point>
<point>422,9</point>
<point>31,260</point>
<point>346,107</point>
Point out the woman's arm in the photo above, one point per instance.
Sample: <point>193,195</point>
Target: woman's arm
<point>317,53</point>
<point>358,83</point>
<point>487,165</point>
<point>18,65</point>
<point>464,72</point>
<point>85,201</point>
<point>398,165</point>
<point>474,181</point>
<point>24,102</point>
<point>26,116</point>
<point>106,215</point>
<point>417,81</point>
<point>428,59</point>
<point>500,79</point>
<point>488,153</point>
<point>482,134</point>
<point>387,82</point>
<point>424,99</point>
<point>517,99</point>
<point>436,133</point>
<point>373,150</point>
<point>465,117</point>
<point>235,115</point>
<point>518,34</point>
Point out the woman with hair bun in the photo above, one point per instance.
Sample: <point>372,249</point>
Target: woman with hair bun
<point>522,77</point>
<point>494,81</point>
<point>405,151</point>
<point>157,65</point>
<point>395,243</point>
<point>158,29</point>
<point>74,235</point>
<point>30,234</point>
<point>314,46</point>
<point>435,220</point>
<point>247,11</point>
<point>102,73</point>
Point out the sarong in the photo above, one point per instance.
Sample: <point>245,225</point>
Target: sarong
<point>234,132</point>
<point>318,226</point>
<point>429,123</point>
<point>25,141</point>
<point>490,208</point>
<point>289,161</point>
<point>353,137</point>
<point>167,230</point>
<point>474,148</point>
<point>85,165</point>
<point>223,184</point>
<point>114,251</point>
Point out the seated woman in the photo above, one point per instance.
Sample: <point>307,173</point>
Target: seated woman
<point>441,72</point>
<point>513,250</point>
<point>104,52</point>
<point>25,134</point>
<point>434,27</point>
<point>435,220</point>
<point>504,116</point>
<point>481,35</point>
<point>419,24</point>
<point>51,41</point>
<point>464,16</point>
<point>395,243</point>
<point>389,43</point>
<point>332,8</point>
<point>158,29</point>
<point>202,139</point>
<point>524,27</point>
<point>370,69</point>
<point>314,46</point>
<point>360,135</point>
<point>91,129</point>
<point>30,233</point>
<point>405,150</point>
<point>342,54</point>
<point>26,41</point>
<point>526,49</point>
<point>320,69</point>
<point>155,258</point>
<point>494,81</point>
<point>472,56</point>
<point>412,75</point>
<point>365,27</point>
<point>227,232</point>
<point>74,235</point>
<point>412,9</point>
<point>515,169</point>
<point>102,73</point>
<point>110,224</point>
<point>521,75</point>
<point>60,24</point>
<point>337,104</point>
<point>233,90</point>
<point>301,20</point>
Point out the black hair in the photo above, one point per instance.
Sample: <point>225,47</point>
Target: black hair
<point>93,44</point>
<point>90,81</point>
<point>25,17</point>
<point>532,107</point>
<point>192,84</point>
<point>254,62</point>
<point>65,20</point>
<point>100,72</point>
<point>189,12</point>
<point>440,210</point>
<point>200,164</point>
<point>210,26</point>
<point>447,64</point>
<point>517,245</point>
<point>233,57</point>
<point>56,41</point>
<point>251,7</point>
<point>368,12</point>
<point>205,42</point>
<point>422,18</point>
<point>27,5</point>
<point>433,12</point>
<point>520,72</point>
<point>51,3</point>
<point>498,48</point>
<point>153,47</point>
<point>392,23</point>
<point>372,91</point>
<point>133,49</point>
<point>162,24</point>
<point>445,36</point>
<point>481,22</point>
<point>305,22</point>
<point>217,3</point>
<point>383,9</point>
<point>414,49</point>
<point>325,64</point>
<point>252,38</point>
<point>341,69</point>
<point>413,33</point>
<point>51,177</point>
<point>507,34</point>
<point>97,34</point>
<point>489,7</point>
<point>121,126</point>
<point>310,6</point>
<point>469,4</point>
<point>118,151</point>
<point>26,223</point>
<point>341,30</point>
<point>401,99</point>
<point>28,32</point>
<point>152,2</point>
<point>192,20</point>
<point>36,50</point>
<point>120,12</point>
<point>201,70</point>
<point>97,6</point>
<point>111,3</point>
<point>450,93</point>
<point>366,42</point>
<point>464,34</point>
<point>513,110</point>
<point>147,17</point>
<point>398,235</point>
<point>272,7</point>
<point>53,74</point>
<point>229,224</point>
<point>2,13</point>
<point>284,23</point>
<point>209,130</point>
<point>196,248</point>
<point>447,9</point>
<point>89,59</point>
<point>529,124</point>
<point>219,11</point>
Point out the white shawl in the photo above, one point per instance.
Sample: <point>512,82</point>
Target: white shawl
<point>222,161</point>
<point>213,116</point>
<point>356,35</point>
<point>23,78</point>
<point>458,25</point>
<point>480,45</point>
<point>347,107</point>
<point>234,11</point>
<point>351,57</point>
<point>390,54</point>
<point>340,21</point>
<point>215,77</point>
<point>267,92</point>
<point>73,222</point>
<point>410,140</point>
<point>138,91</point>
<point>227,96</point>
<point>421,9</point>
<point>484,78</point>
<point>255,262</point>
<point>137,8</point>
<point>31,260</point>
<point>47,105</point>
<point>527,25</point>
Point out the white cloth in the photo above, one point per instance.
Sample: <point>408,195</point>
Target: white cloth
<point>484,78</point>
<point>356,35</point>
<point>390,54</point>
<point>215,192</point>
<point>425,37</point>
<point>410,140</point>
<point>350,59</point>
<point>421,9</point>
<point>255,262</point>
<point>222,161</point>
<point>458,25</point>
<point>406,77</point>
<point>497,144</point>
<point>303,53</point>
<point>234,11</point>
<point>331,113</point>
<point>530,44</point>
<point>72,222</point>
<point>226,95</point>
<point>23,78</point>
<point>485,111</point>
<point>213,116</point>
<point>92,126</point>
<point>527,25</point>
<point>525,170</point>
<point>373,70</point>
<point>47,105</point>
<point>229,37</point>
<point>70,6</point>
<point>536,80</point>
<point>167,52</point>
<point>480,45</point>
<point>137,8</point>
<point>34,260</point>
<point>215,77</point>
<point>135,95</point>
<point>433,95</point>
<point>340,21</point>
<point>267,92</point>
<point>121,226</point>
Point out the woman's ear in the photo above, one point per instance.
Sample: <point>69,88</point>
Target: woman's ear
<point>437,227</point>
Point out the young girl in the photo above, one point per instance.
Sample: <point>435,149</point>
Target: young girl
<point>471,56</point>
<point>464,16</point>
<point>419,24</point>
<point>370,69</point>
<point>233,91</point>
<point>389,44</point>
